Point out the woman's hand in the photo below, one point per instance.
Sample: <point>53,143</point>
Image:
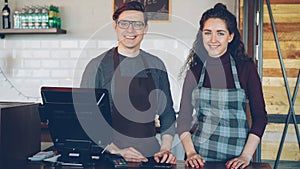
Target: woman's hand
<point>239,162</point>
<point>165,156</point>
<point>244,159</point>
<point>194,160</point>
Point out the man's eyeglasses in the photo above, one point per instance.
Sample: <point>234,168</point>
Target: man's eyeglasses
<point>137,25</point>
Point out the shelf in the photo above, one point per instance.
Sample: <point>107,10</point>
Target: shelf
<point>4,32</point>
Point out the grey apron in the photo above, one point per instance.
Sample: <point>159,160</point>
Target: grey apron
<point>135,128</point>
<point>222,124</point>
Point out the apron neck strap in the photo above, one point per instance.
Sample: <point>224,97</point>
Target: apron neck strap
<point>234,73</point>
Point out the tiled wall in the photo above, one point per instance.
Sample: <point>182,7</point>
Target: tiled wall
<point>26,65</point>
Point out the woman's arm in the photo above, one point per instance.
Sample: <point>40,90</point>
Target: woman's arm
<point>258,117</point>
<point>244,159</point>
<point>256,102</point>
<point>185,116</point>
<point>185,119</point>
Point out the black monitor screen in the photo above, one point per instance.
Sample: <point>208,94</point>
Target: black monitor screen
<point>76,116</point>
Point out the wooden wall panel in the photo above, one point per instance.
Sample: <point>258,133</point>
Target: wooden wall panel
<point>282,36</point>
<point>284,45</point>
<point>283,9</point>
<point>282,27</point>
<point>277,2</point>
<point>278,96</point>
<point>290,151</point>
<point>285,1</point>
<point>277,81</point>
<point>274,72</point>
<point>286,15</point>
<point>275,127</point>
<point>280,109</point>
<point>275,63</point>
<point>283,18</point>
<point>286,54</point>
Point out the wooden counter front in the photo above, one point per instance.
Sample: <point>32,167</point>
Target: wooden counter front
<point>20,133</point>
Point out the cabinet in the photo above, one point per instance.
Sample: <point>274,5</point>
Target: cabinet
<point>20,133</point>
<point>4,32</point>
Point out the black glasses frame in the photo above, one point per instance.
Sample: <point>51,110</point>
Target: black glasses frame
<point>124,24</point>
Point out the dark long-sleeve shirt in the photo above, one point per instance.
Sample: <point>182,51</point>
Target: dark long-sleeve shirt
<point>100,71</point>
<point>219,75</point>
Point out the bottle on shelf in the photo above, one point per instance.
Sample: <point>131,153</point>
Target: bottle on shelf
<point>24,18</point>
<point>45,17</point>
<point>6,16</point>
<point>37,17</point>
<point>51,16</point>
<point>17,20</point>
<point>30,17</point>
<point>54,17</point>
<point>58,19</point>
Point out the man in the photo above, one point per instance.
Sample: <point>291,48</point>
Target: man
<point>139,89</point>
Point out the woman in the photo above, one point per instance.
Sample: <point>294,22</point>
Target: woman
<point>218,83</point>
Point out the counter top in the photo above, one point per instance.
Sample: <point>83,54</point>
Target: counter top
<point>14,104</point>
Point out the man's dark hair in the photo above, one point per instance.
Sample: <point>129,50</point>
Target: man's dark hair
<point>132,5</point>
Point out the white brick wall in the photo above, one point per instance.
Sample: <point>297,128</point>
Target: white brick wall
<point>29,64</point>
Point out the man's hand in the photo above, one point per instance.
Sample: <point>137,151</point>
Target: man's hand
<point>165,156</point>
<point>130,154</point>
<point>194,160</point>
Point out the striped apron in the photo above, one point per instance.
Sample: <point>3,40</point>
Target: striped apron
<point>222,127</point>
